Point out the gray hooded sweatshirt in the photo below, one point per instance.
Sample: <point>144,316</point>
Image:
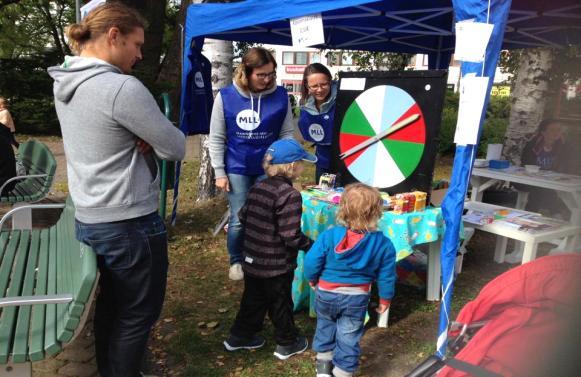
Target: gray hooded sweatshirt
<point>102,113</point>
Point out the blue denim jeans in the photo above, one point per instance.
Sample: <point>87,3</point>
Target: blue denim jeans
<point>239,186</point>
<point>340,320</point>
<point>133,262</point>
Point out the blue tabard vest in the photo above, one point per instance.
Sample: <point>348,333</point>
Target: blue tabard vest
<point>318,129</point>
<point>249,135</point>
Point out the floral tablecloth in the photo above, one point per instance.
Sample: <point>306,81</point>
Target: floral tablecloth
<point>404,231</point>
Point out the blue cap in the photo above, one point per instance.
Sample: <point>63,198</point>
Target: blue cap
<point>285,151</point>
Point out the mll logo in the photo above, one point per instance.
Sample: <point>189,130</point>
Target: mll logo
<point>248,120</point>
<point>316,132</point>
<point>199,80</point>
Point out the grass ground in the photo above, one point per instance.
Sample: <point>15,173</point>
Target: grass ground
<point>202,303</point>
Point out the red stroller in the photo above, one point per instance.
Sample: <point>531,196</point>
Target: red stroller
<point>526,322</point>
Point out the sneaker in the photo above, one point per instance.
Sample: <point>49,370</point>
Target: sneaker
<point>284,352</point>
<point>234,343</point>
<point>324,368</point>
<point>236,272</point>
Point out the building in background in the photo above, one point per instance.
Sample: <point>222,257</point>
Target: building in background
<point>293,60</point>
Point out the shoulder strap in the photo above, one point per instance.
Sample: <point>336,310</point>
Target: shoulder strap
<point>473,370</point>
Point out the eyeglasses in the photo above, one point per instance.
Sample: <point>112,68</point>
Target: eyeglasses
<point>264,76</point>
<point>323,85</point>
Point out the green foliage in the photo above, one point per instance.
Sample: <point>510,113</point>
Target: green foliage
<point>29,89</point>
<point>509,62</point>
<point>29,26</point>
<point>495,124</point>
<point>369,60</point>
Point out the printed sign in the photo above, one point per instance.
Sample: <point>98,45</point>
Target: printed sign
<point>472,97</point>
<point>295,69</point>
<point>308,30</point>
<point>471,40</point>
<point>199,80</point>
<point>248,120</point>
<point>317,132</point>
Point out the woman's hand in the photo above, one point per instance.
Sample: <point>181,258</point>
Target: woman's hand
<point>223,184</point>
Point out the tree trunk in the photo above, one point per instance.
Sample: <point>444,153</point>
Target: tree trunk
<point>154,12</point>
<point>171,67</point>
<point>529,100</point>
<point>220,53</point>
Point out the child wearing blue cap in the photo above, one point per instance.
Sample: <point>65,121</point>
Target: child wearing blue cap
<point>271,219</point>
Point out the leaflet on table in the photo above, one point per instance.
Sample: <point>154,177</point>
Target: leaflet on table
<point>482,218</point>
<point>513,219</point>
<point>531,223</point>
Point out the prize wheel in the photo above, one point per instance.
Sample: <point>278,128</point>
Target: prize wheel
<point>391,160</point>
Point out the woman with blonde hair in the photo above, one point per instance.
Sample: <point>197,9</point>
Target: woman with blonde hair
<point>247,117</point>
<point>113,131</point>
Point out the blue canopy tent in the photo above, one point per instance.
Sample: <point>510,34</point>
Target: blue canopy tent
<point>410,26</point>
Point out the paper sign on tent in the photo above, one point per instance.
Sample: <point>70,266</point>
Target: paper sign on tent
<point>352,83</point>
<point>472,95</point>
<point>85,9</point>
<point>471,40</point>
<point>308,30</point>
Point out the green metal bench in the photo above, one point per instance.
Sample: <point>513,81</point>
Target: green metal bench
<point>40,167</point>
<point>47,282</point>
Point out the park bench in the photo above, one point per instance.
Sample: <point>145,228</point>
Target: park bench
<point>47,282</point>
<point>531,240</point>
<point>40,166</point>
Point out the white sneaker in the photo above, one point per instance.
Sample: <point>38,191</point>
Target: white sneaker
<point>236,272</point>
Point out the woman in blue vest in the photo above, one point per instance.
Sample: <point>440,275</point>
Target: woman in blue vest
<point>318,112</point>
<point>247,117</point>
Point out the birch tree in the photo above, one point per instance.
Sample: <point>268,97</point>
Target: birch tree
<point>530,98</point>
<point>220,53</point>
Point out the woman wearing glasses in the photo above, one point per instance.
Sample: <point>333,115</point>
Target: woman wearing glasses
<point>247,117</point>
<point>317,113</point>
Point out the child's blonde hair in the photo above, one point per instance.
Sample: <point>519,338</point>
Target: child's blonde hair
<point>360,207</point>
<point>271,170</point>
<point>3,102</point>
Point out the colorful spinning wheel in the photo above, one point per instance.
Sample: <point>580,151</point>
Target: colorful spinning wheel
<point>393,158</point>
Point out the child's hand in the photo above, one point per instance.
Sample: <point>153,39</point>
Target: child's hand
<point>382,308</point>
<point>313,284</point>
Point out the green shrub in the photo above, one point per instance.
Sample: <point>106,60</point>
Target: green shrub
<point>495,124</point>
<point>35,116</point>
<point>28,87</point>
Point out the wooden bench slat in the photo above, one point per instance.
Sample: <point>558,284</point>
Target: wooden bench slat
<point>15,277</point>
<point>4,236</point>
<point>51,344</point>
<point>63,281</point>
<point>36,348</point>
<point>44,262</point>
<point>21,335</point>
<point>74,251</point>
<point>7,261</point>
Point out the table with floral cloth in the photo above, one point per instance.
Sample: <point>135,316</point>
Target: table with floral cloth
<point>404,231</point>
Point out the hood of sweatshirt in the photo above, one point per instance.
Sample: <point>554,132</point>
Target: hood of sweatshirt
<point>359,255</point>
<point>75,71</point>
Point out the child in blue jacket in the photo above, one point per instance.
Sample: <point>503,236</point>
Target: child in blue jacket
<point>343,263</point>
